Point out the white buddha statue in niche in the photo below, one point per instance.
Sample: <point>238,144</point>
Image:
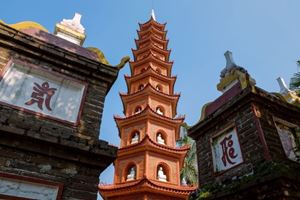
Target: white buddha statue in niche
<point>131,174</point>
<point>161,175</point>
<point>138,110</point>
<point>158,88</point>
<point>159,139</point>
<point>159,111</point>
<point>135,138</point>
<point>141,87</point>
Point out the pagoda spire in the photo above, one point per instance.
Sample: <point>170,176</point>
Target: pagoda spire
<point>148,163</point>
<point>153,15</point>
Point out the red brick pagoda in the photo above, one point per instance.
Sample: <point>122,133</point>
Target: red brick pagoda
<point>148,163</point>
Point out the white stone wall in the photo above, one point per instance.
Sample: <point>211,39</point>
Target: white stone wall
<point>17,88</point>
<point>30,190</point>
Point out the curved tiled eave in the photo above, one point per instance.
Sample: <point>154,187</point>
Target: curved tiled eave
<point>150,58</point>
<point>149,114</point>
<point>152,30</point>
<point>152,52</point>
<point>146,185</point>
<point>147,91</point>
<point>146,144</point>
<point>151,39</point>
<point>152,22</point>
<point>150,147</point>
<point>150,72</point>
<point>151,47</point>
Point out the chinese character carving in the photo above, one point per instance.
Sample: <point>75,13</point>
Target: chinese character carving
<point>41,94</point>
<point>228,152</point>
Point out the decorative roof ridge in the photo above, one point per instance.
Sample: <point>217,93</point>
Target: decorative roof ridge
<point>147,138</point>
<point>148,85</point>
<point>230,65</point>
<point>148,109</point>
<point>274,97</point>
<point>26,25</point>
<point>33,29</point>
<point>232,74</point>
<point>290,96</point>
<point>47,42</point>
<point>147,71</point>
<point>244,96</point>
<point>149,56</point>
<point>71,30</point>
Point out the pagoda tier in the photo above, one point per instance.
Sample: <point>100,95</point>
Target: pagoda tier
<point>150,119</point>
<point>141,43</point>
<point>153,23</point>
<point>149,93</point>
<point>149,73</point>
<point>147,142</point>
<point>148,163</point>
<point>156,63</point>
<point>144,189</point>
<point>147,151</point>
<point>152,31</point>
<point>154,50</point>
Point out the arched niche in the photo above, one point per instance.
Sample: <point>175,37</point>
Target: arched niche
<point>130,172</point>
<point>163,172</point>
<point>158,87</point>
<point>161,137</point>
<point>134,137</point>
<point>141,86</point>
<point>137,109</point>
<point>143,70</point>
<point>160,110</point>
<point>158,70</point>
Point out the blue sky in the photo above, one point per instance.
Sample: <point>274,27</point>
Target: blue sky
<point>264,37</point>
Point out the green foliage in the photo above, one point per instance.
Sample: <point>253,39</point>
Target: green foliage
<point>204,194</point>
<point>189,171</point>
<point>267,168</point>
<point>295,81</point>
<point>207,190</point>
<point>297,140</point>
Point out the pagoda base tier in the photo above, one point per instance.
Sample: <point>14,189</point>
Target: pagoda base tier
<point>144,196</point>
<point>145,189</point>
